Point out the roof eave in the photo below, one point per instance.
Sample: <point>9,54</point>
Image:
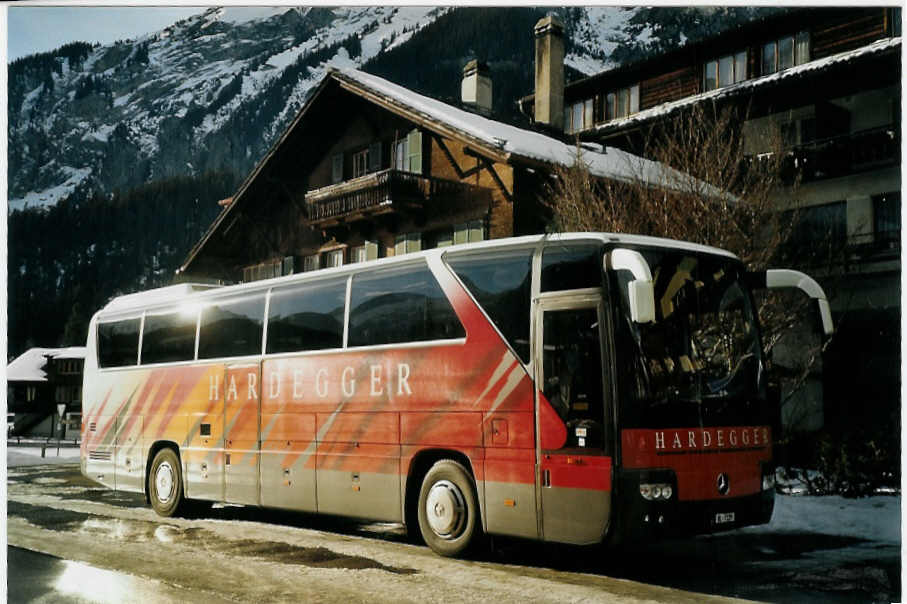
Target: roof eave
<point>238,196</point>
<point>420,118</point>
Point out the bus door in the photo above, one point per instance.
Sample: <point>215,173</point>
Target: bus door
<point>242,399</point>
<point>574,459</point>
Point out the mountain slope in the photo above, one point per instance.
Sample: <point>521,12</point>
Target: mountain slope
<point>212,92</point>
<point>158,106</point>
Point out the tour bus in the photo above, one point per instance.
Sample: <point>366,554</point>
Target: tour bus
<point>578,388</point>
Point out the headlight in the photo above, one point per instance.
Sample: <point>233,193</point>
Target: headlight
<point>656,491</point>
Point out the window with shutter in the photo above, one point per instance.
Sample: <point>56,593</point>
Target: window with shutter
<point>287,265</point>
<point>311,263</point>
<point>374,157</point>
<point>337,168</point>
<point>414,152</point>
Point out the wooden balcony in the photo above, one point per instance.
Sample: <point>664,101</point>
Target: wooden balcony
<point>386,192</point>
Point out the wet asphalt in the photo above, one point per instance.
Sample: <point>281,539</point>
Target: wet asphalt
<point>790,567</point>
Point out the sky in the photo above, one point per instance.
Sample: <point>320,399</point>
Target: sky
<point>33,28</point>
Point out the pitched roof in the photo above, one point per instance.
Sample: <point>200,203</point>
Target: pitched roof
<point>498,140</point>
<point>29,366</point>
<point>511,142</point>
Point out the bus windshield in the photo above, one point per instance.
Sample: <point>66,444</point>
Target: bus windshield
<point>699,362</point>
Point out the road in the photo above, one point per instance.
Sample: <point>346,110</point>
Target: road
<point>107,542</point>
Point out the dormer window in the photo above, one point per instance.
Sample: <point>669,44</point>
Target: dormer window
<point>785,52</point>
<point>724,71</point>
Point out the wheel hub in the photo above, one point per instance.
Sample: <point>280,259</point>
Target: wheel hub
<point>445,509</point>
<point>163,482</point>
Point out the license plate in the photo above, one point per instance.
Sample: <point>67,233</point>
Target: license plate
<point>724,518</point>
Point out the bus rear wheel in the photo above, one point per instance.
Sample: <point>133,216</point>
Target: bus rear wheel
<point>448,508</point>
<point>165,484</point>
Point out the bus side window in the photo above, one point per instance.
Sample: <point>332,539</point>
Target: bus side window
<point>397,305</point>
<point>307,316</point>
<point>573,266</point>
<point>169,337</point>
<point>501,285</point>
<point>118,343</point>
<point>232,328</point>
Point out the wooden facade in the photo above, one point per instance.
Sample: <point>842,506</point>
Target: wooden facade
<point>679,74</point>
<point>377,175</point>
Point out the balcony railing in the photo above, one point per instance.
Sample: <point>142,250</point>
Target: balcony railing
<point>846,154</point>
<point>384,192</point>
<point>880,244</point>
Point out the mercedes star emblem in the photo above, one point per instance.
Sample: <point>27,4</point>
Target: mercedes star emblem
<point>724,484</point>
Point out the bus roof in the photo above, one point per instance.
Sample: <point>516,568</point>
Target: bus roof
<point>172,293</point>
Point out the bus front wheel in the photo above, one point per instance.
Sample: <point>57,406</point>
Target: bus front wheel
<point>165,483</point>
<point>448,508</point>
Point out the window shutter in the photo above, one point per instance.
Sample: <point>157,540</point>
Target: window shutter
<point>374,157</point>
<point>801,51</point>
<point>337,168</point>
<point>476,231</point>
<point>414,144</point>
<point>461,234</point>
<point>400,155</point>
<point>287,266</point>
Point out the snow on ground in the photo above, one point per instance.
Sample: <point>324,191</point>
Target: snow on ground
<point>101,134</point>
<point>51,196</point>
<point>586,64</point>
<point>31,456</point>
<point>242,14</point>
<point>875,518</point>
<point>29,99</point>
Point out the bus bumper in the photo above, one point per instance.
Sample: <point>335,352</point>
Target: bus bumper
<point>640,520</point>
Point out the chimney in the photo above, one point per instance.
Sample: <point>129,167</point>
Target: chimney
<point>476,87</point>
<point>549,72</point>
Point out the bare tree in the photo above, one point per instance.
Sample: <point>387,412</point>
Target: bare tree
<point>716,186</point>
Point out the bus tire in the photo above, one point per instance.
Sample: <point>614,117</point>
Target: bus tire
<point>448,508</point>
<point>165,484</point>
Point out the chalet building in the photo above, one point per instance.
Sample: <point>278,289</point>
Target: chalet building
<point>829,79</point>
<point>369,169</point>
<point>38,381</point>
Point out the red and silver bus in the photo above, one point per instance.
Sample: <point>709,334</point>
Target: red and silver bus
<point>574,388</point>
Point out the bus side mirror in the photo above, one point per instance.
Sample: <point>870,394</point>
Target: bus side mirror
<point>640,291</point>
<point>642,301</point>
<point>786,278</point>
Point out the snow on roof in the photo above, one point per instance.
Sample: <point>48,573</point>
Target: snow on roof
<point>610,163</point>
<point>29,366</point>
<point>748,85</point>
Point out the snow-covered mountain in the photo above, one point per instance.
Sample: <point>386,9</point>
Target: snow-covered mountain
<point>212,92</point>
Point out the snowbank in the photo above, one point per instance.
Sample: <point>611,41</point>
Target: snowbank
<point>874,518</point>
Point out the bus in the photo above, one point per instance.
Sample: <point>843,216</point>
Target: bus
<point>577,388</point>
